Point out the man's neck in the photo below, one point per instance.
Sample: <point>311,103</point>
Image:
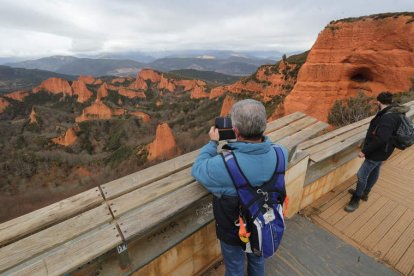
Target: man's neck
<point>241,139</point>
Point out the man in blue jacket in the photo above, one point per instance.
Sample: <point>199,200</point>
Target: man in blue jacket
<point>258,162</point>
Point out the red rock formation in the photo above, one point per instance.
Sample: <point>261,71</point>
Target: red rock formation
<point>149,74</point>
<point>87,79</point>
<point>141,115</point>
<point>98,82</point>
<point>119,112</point>
<point>370,55</point>
<point>131,93</point>
<point>82,171</point>
<point>69,138</point>
<point>80,89</point>
<point>98,110</point>
<point>3,104</point>
<point>55,86</point>
<point>102,91</point>
<point>227,105</point>
<point>166,84</point>
<point>32,118</point>
<point>268,81</point>
<point>118,80</point>
<point>197,92</point>
<point>217,91</point>
<point>139,84</point>
<point>164,146</point>
<point>17,95</point>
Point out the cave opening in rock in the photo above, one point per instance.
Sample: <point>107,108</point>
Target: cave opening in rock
<point>361,75</point>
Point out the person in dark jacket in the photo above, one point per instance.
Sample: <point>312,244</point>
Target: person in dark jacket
<point>377,147</point>
<point>258,162</point>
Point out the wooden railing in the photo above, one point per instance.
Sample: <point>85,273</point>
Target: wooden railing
<point>159,220</point>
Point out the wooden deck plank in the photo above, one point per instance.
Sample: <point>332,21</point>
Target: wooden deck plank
<point>279,123</point>
<point>359,222</point>
<point>141,178</point>
<point>399,248</point>
<point>378,234</point>
<point>406,264</point>
<point>142,196</point>
<point>335,140</point>
<point>345,196</point>
<point>334,149</point>
<point>293,140</point>
<point>291,128</point>
<point>35,244</point>
<point>383,246</point>
<point>141,219</point>
<point>78,252</point>
<point>32,222</point>
<point>374,222</point>
<point>333,134</point>
<point>351,217</point>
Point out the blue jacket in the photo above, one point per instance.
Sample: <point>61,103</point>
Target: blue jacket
<point>257,161</point>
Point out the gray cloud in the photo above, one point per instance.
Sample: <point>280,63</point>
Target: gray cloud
<point>43,27</point>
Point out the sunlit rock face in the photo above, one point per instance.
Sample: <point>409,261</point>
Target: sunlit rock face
<point>371,55</point>
<point>55,86</point>
<point>164,145</point>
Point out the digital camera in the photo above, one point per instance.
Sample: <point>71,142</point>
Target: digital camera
<point>225,128</point>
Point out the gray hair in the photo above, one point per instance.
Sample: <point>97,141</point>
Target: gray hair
<point>249,117</point>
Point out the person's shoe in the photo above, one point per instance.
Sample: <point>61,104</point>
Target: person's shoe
<point>364,196</point>
<point>353,204</point>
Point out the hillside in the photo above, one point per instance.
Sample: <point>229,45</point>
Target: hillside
<point>19,79</point>
<point>230,65</point>
<point>63,137</point>
<point>208,76</point>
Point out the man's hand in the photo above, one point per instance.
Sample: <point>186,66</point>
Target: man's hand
<point>214,134</point>
<point>361,154</point>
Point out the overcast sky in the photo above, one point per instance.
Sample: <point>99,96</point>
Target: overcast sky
<point>73,27</point>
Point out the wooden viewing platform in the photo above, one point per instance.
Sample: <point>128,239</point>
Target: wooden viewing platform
<point>384,225</point>
<point>159,220</point>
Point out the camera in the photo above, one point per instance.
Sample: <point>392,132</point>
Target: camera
<point>225,128</point>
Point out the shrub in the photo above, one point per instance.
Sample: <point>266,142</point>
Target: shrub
<point>351,110</point>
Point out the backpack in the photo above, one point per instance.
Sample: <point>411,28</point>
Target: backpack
<point>404,136</point>
<point>261,207</point>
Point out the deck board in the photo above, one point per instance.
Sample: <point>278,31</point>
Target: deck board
<point>384,225</point>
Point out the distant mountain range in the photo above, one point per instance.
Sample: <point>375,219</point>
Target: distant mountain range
<point>126,64</point>
<point>12,79</point>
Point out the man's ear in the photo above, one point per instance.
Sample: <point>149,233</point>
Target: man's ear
<point>236,131</point>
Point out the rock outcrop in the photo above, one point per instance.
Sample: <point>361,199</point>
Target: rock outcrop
<point>268,81</point>
<point>161,82</point>
<point>141,115</point>
<point>80,89</point>
<point>69,138</point>
<point>17,95</point>
<point>226,107</point>
<point>55,86</point>
<point>370,54</point>
<point>131,93</point>
<point>164,145</point>
<point>87,79</point>
<point>102,91</point>
<point>32,117</point>
<point>3,104</point>
<point>97,111</point>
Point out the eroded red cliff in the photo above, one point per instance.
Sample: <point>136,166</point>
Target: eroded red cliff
<point>69,138</point>
<point>55,86</point>
<point>164,145</point>
<point>371,54</point>
<point>3,104</point>
<point>80,90</point>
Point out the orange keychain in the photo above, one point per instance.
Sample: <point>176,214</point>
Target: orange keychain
<point>243,234</point>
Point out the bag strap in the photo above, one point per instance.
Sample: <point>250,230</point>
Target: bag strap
<point>241,182</point>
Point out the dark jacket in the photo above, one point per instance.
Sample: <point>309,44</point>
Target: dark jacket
<point>382,127</point>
